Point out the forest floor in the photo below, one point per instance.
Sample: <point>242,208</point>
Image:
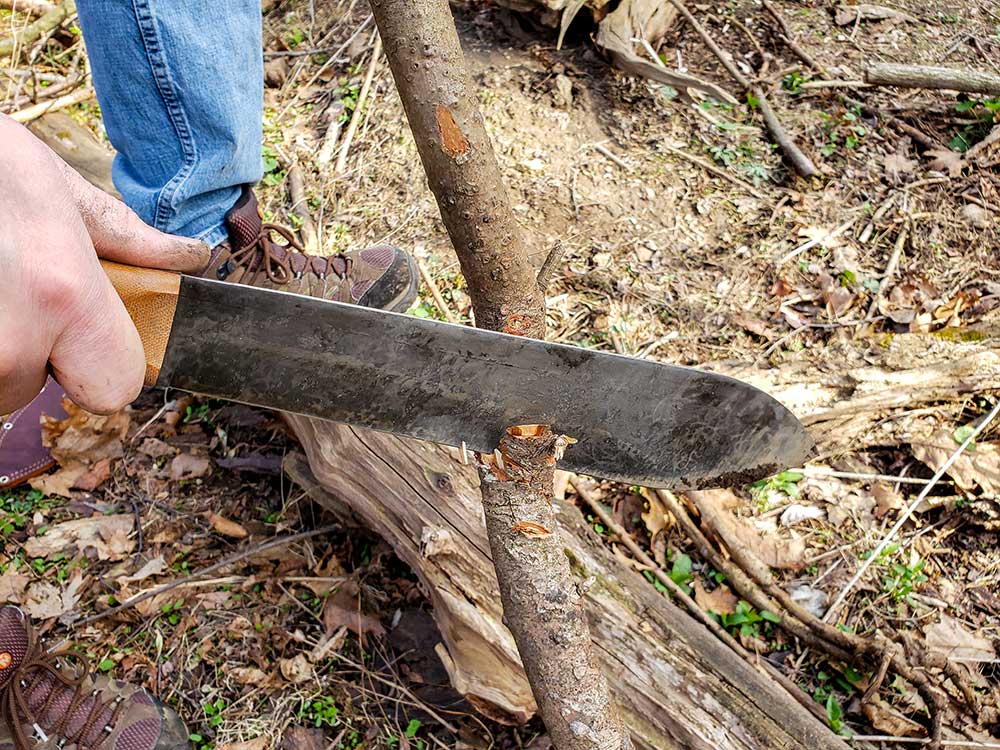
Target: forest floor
<point>327,641</point>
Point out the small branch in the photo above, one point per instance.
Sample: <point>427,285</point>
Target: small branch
<point>352,126</point>
<point>541,602</point>
<point>35,30</point>
<point>31,7</point>
<point>332,135</point>
<point>835,84</point>
<point>225,562</point>
<point>549,265</point>
<point>789,39</point>
<point>803,165</point>
<point>932,77</point>
<point>605,152</point>
<point>300,207</point>
<point>37,110</point>
<point>821,471</point>
<point>890,270</point>
<point>432,286</point>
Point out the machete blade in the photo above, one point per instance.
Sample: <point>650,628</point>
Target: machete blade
<point>635,421</point>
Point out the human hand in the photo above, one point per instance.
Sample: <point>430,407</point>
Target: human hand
<point>58,311</point>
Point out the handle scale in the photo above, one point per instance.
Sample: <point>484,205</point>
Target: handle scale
<point>151,300</point>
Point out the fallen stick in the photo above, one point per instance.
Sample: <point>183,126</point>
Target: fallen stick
<point>37,110</point>
<point>300,207</point>
<point>932,77</point>
<point>435,292</point>
<point>33,31</point>
<point>352,126</point>
<point>802,163</point>
<point>31,7</point>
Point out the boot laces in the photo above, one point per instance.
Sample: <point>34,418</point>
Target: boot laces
<point>15,709</point>
<point>284,262</point>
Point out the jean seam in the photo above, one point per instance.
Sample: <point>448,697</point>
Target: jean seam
<point>175,111</point>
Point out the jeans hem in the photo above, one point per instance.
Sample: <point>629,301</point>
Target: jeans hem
<point>214,236</point>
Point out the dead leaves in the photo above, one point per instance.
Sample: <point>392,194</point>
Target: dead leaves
<point>12,585</point>
<point>83,445</point>
<point>977,467</point>
<point>343,609</point>
<point>721,600</point>
<point>917,303</point>
<point>224,526</point>
<point>103,537</point>
<point>898,167</point>
<point>761,537</point>
<point>846,15</point>
<point>187,466</point>
<point>952,640</point>
<point>945,160</point>
<point>656,517</point>
<point>41,600</point>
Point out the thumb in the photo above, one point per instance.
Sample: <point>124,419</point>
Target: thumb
<point>119,234</point>
<point>97,355</point>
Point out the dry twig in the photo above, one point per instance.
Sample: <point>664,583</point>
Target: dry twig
<point>51,105</point>
<point>802,163</point>
<point>432,286</point>
<point>223,563</point>
<point>359,107</point>
<point>33,31</point>
<point>300,207</point>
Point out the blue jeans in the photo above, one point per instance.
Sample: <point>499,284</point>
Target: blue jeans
<point>180,84</point>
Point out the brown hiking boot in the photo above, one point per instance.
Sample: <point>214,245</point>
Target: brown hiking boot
<point>46,705</point>
<point>381,276</point>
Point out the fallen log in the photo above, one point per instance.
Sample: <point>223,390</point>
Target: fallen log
<point>677,686</point>
<point>932,77</point>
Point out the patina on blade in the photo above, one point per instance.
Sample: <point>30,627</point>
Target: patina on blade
<point>635,421</point>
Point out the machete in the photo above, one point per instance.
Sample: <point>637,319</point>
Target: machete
<point>635,421</point>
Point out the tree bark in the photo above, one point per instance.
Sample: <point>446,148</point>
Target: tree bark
<point>542,607</point>
<point>427,63</point>
<point>537,588</point>
<point>932,77</point>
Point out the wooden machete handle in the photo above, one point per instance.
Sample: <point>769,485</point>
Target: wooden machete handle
<point>150,297</point>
